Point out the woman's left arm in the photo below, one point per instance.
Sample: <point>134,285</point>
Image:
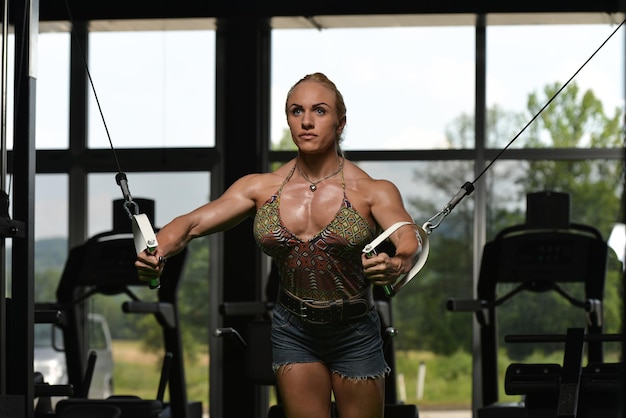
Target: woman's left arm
<point>387,208</point>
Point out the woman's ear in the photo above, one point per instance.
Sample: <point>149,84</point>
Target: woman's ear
<point>342,124</point>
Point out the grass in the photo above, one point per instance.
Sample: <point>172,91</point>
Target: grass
<point>137,373</point>
<point>447,383</point>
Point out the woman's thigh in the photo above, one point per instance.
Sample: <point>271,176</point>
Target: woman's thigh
<point>359,398</point>
<point>305,389</point>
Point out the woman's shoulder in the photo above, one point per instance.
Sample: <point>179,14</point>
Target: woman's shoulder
<point>359,180</point>
<point>260,185</point>
<point>261,179</point>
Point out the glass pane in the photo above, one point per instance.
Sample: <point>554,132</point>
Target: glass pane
<point>173,193</point>
<point>97,336</point>
<point>53,74</point>
<point>401,85</point>
<point>51,210</point>
<point>594,189</point>
<point>156,89</point>
<point>429,336</point>
<point>51,232</point>
<point>517,68</point>
<point>138,339</point>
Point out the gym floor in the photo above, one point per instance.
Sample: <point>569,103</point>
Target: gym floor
<point>433,414</point>
<point>445,414</point>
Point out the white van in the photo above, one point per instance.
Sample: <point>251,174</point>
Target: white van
<point>49,357</point>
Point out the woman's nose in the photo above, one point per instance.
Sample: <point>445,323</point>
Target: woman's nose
<point>307,120</point>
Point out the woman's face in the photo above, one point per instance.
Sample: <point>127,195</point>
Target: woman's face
<point>312,117</point>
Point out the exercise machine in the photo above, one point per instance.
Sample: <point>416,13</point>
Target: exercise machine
<point>104,265</point>
<point>543,255</point>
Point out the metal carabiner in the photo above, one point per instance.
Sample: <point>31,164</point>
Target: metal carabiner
<point>431,224</point>
<point>127,206</point>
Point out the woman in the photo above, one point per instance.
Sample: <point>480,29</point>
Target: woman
<point>313,216</point>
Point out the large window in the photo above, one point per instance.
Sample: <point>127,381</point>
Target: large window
<point>517,67</point>
<point>414,89</point>
<point>594,188</point>
<point>406,89</point>
<point>155,89</point>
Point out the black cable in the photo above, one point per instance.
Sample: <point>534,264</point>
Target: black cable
<point>468,187</point>
<point>93,88</point>
<point>547,103</point>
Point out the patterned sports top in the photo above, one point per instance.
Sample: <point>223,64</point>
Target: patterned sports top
<point>326,267</point>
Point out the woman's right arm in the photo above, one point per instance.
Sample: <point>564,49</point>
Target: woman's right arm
<point>236,204</point>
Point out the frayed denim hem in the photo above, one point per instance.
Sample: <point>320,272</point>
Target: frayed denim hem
<point>283,367</point>
<point>363,378</point>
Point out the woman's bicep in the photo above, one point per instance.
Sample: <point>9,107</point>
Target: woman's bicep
<point>387,205</point>
<point>220,215</point>
<point>223,213</point>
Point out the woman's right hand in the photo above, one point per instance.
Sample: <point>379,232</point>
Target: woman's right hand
<point>150,265</point>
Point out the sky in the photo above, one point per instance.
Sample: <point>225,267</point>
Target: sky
<point>402,87</point>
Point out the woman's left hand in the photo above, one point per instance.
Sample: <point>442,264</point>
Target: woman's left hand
<point>381,269</point>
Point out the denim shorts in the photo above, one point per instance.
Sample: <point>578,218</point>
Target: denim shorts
<point>352,349</point>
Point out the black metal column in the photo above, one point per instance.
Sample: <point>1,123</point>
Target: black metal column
<point>242,138</point>
<point>4,193</point>
<point>480,364</point>
<point>623,219</point>
<point>21,317</point>
<point>78,123</point>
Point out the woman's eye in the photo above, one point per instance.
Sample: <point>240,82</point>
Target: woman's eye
<point>296,112</point>
<point>320,111</point>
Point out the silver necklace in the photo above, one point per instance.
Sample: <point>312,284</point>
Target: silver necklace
<point>313,185</point>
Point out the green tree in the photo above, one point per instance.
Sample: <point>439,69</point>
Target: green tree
<point>574,119</point>
<point>577,120</point>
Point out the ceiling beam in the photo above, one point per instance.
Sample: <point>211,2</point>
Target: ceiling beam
<point>55,10</point>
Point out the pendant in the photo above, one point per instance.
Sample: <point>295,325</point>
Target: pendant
<point>313,187</point>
